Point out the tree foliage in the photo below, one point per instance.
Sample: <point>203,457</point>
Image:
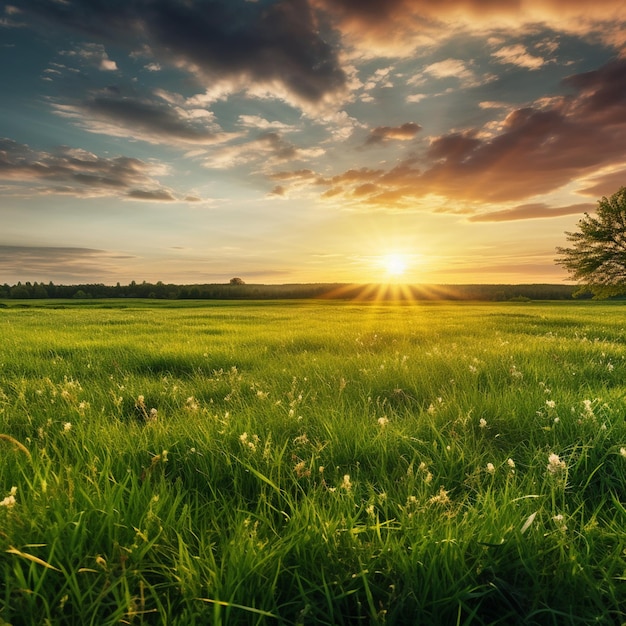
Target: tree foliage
<point>597,256</point>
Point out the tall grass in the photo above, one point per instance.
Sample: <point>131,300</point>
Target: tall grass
<point>313,463</point>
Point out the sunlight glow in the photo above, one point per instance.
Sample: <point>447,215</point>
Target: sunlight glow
<point>395,264</point>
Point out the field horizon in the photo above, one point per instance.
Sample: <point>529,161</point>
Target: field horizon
<point>237,289</point>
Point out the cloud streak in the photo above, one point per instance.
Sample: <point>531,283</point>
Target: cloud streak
<point>71,264</point>
<point>78,173</point>
<point>531,212</point>
<point>153,121</point>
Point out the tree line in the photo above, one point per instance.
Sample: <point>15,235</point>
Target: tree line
<point>238,290</point>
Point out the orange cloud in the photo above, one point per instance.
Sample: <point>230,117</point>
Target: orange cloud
<point>537,151</point>
<point>605,184</point>
<point>398,27</point>
<point>531,211</point>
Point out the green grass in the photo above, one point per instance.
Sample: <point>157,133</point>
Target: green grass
<point>312,463</point>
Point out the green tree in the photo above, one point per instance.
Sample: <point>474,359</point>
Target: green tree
<point>597,256</point>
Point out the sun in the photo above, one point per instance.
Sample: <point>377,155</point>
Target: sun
<point>395,264</point>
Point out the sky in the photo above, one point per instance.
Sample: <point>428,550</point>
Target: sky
<point>305,141</point>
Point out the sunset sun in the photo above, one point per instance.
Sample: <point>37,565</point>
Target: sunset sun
<point>395,264</point>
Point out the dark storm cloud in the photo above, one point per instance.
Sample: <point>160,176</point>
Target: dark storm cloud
<point>77,172</point>
<point>274,44</point>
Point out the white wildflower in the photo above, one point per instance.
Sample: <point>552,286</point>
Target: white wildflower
<point>482,422</point>
<point>441,498</point>
<point>555,465</point>
<point>491,468</point>
<point>383,421</point>
<point>9,501</point>
<point>550,404</point>
<point>301,440</point>
<point>622,451</point>
<point>346,484</point>
<point>67,426</point>
<point>249,443</point>
<point>301,470</point>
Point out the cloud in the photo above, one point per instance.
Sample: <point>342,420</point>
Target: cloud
<point>269,148</point>
<point>379,79</point>
<point>158,195</point>
<point>416,97</point>
<point>400,27</point>
<point>531,211</point>
<point>517,54</point>
<point>601,94</point>
<point>450,68</point>
<point>260,123</point>
<point>8,21</point>
<point>78,173</point>
<point>605,184</point>
<point>93,54</point>
<point>154,121</point>
<point>536,150</point>
<point>65,264</point>
<point>271,49</point>
<point>382,134</point>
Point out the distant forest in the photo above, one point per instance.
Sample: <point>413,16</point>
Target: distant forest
<point>238,290</point>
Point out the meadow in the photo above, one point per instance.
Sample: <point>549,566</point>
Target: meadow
<point>312,462</point>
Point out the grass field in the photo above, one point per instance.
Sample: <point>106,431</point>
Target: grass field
<point>312,463</point>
